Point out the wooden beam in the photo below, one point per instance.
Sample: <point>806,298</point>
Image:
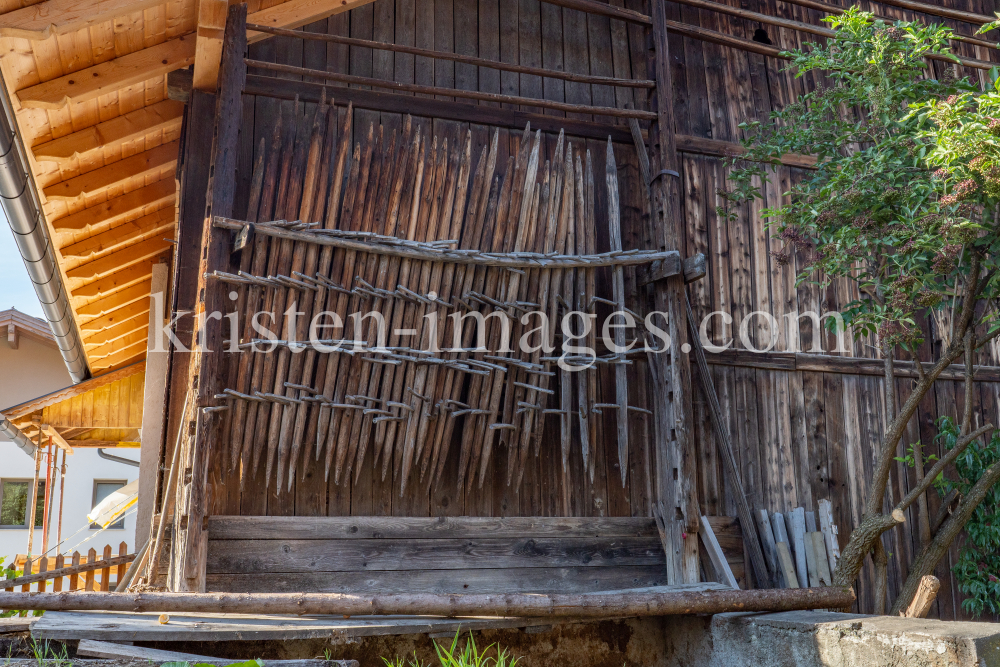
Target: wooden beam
<point>117,316</point>
<point>152,656</point>
<point>716,555</point>
<point>208,52</point>
<point>147,163</point>
<point>119,259</point>
<point>704,598</point>
<point>104,444</point>
<point>57,438</point>
<point>115,282</point>
<point>158,222</point>
<point>12,339</point>
<point>106,304</point>
<point>107,77</point>
<point>156,195</point>
<point>154,397</point>
<point>56,17</point>
<point>162,116</point>
<point>115,362</point>
<point>297,13</point>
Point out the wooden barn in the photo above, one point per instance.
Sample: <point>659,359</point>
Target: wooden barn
<point>204,163</point>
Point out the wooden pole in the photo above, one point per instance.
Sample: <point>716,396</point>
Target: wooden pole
<point>677,496</point>
<point>450,92</point>
<point>707,599</point>
<point>455,57</point>
<point>31,501</point>
<point>47,498</point>
<point>62,496</point>
<point>725,444</point>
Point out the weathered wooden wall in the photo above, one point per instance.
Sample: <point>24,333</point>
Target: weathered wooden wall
<point>800,436</point>
<point>532,33</point>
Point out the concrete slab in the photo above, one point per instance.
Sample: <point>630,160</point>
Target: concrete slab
<point>830,639</point>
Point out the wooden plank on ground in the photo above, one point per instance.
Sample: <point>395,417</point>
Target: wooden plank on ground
<point>389,527</point>
<point>112,651</point>
<point>718,558</point>
<point>113,626</point>
<point>12,625</point>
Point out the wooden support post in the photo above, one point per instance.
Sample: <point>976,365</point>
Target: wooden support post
<point>190,540</point>
<point>47,497</point>
<point>62,496</point>
<point>153,408</point>
<point>32,502</point>
<point>43,567</point>
<point>677,499</point>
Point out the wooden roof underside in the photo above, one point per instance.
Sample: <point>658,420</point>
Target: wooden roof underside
<point>102,412</point>
<point>88,82</point>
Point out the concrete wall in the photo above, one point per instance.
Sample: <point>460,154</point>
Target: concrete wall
<point>33,370</point>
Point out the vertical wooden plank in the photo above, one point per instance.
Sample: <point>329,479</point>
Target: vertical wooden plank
<point>57,584</point>
<point>106,571</point>
<point>74,579</point>
<point>89,576</point>
<point>43,566</point>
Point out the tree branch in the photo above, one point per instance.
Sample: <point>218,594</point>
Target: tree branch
<point>943,462</point>
<point>931,554</point>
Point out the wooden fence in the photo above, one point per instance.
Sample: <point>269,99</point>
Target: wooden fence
<point>73,573</point>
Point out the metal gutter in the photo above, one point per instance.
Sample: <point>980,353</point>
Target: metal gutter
<point>103,453</point>
<point>14,434</point>
<point>24,214</point>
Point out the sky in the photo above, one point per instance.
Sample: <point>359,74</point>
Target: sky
<point>15,286</point>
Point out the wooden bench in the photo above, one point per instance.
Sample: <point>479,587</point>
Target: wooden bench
<point>438,555</point>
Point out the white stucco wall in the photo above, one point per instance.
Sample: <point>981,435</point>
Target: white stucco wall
<point>33,370</point>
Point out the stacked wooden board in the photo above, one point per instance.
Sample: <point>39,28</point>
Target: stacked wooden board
<point>800,551</point>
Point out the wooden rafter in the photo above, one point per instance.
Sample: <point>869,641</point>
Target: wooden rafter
<point>164,115</point>
<point>117,346</point>
<point>107,77</point>
<point>208,52</point>
<point>297,13</point>
<point>146,163</point>
<point>57,439</point>
<point>116,316</point>
<point>106,304</point>
<point>158,222</point>
<point>126,327</point>
<point>126,277</point>
<point>121,359</point>
<point>154,195</point>
<point>54,17</point>
<point>115,261</point>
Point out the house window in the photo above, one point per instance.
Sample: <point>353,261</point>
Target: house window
<point>102,489</point>
<point>14,502</point>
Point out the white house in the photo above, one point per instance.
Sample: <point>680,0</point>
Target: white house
<point>31,367</point>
